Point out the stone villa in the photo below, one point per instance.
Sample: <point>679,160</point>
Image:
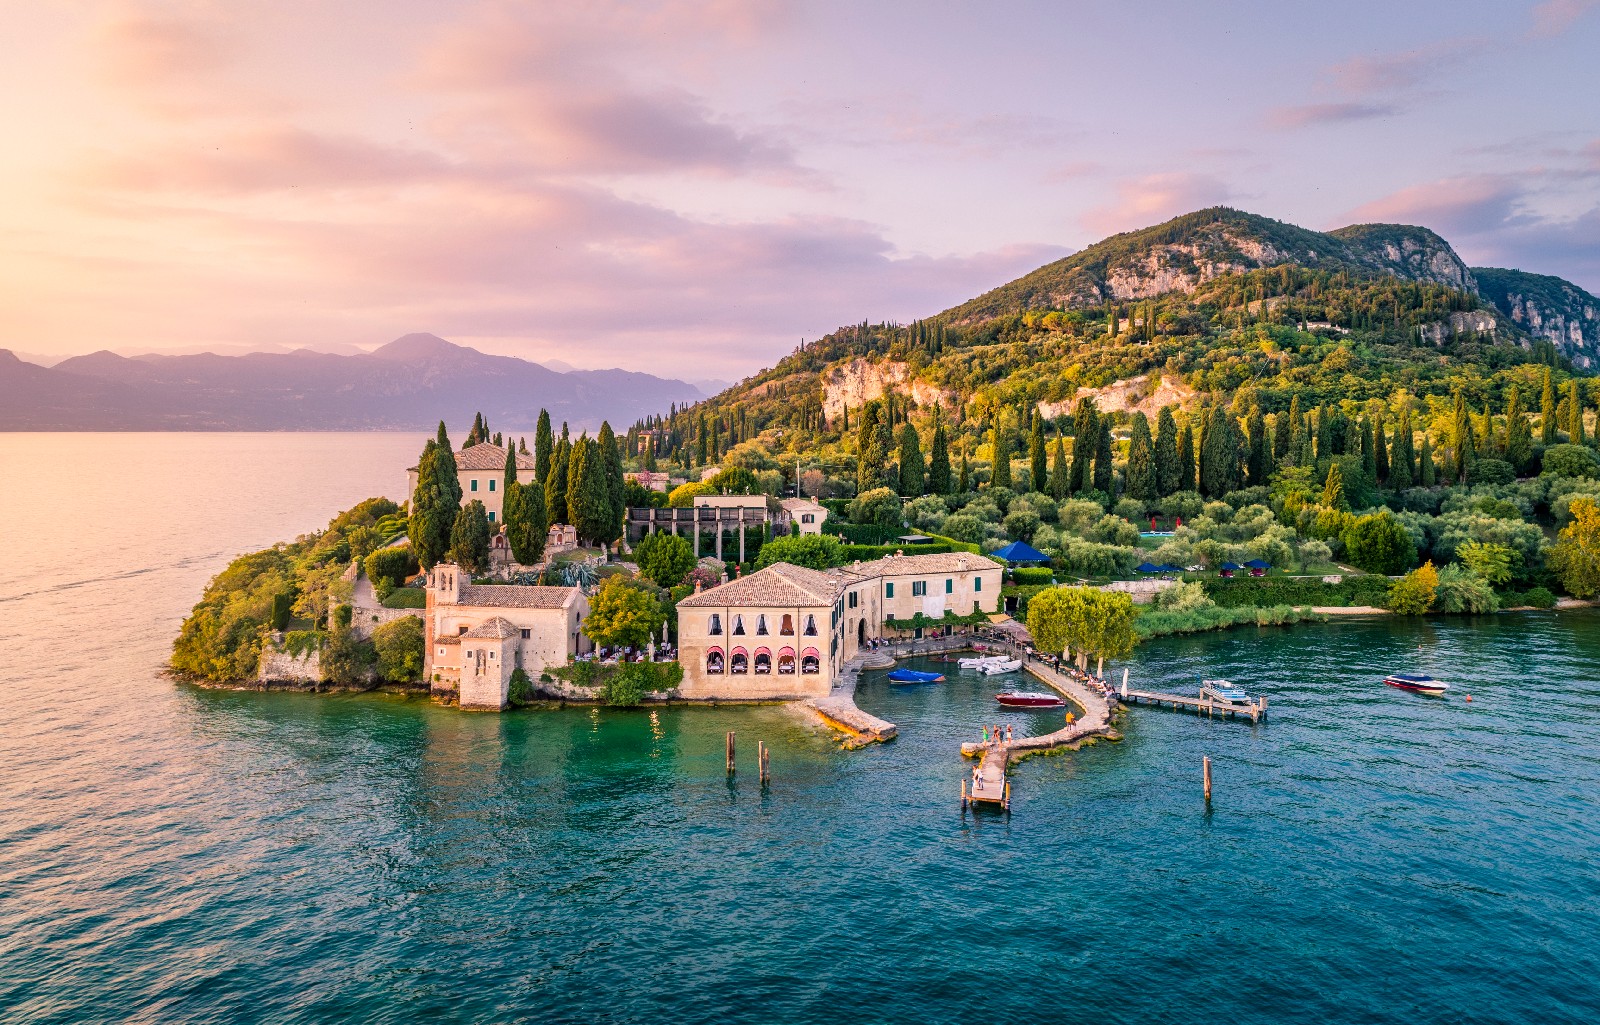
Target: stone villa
<point>787,631</point>
<point>482,470</point>
<point>477,635</point>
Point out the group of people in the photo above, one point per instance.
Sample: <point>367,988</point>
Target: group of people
<point>997,734</point>
<point>613,656</point>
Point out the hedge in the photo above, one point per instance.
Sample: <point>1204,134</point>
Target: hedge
<point>1267,592</point>
<point>1025,575</point>
<point>862,533</point>
<point>406,598</point>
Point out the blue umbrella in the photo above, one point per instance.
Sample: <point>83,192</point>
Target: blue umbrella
<point>1229,567</point>
<point>1258,564</point>
<point>1020,551</point>
<point>1145,567</point>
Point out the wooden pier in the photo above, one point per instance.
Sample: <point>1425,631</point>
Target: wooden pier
<point>989,784</point>
<point>1255,710</point>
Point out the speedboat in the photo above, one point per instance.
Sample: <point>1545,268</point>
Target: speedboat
<point>978,661</point>
<point>1223,691</point>
<point>1028,699</point>
<point>1419,683</point>
<point>912,676</point>
<point>1004,665</point>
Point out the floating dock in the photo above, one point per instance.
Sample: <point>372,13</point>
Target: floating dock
<point>1255,710</point>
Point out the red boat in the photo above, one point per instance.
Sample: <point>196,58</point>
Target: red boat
<point>1028,699</point>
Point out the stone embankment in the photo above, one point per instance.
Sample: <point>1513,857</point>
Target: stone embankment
<point>1095,721</point>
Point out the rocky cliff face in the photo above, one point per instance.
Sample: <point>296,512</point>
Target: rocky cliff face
<point>1550,308</point>
<point>859,381</point>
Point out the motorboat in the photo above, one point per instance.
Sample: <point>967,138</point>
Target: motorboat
<point>913,676</point>
<point>1028,699</point>
<point>1224,692</point>
<point>978,661</point>
<point>1004,665</point>
<point>1418,683</point>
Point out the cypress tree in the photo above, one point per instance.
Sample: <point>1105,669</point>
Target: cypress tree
<point>1036,456</point>
<point>1000,476</point>
<point>1085,438</point>
<point>1519,436</point>
<point>1186,475</point>
<point>1463,451</point>
<point>1547,411</point>
<point>1402,462</point>
<point>1429,473</point>
<point>1380,451</point>
<point>436,502</point>
<point>939,482</point>
<point>964,485</point>
<point>524,518</point>
<point>702,455</point>
<point>1575,431</point>
<point>522,446</point>
<point>871,455</point>
<point>650,455</point>
<point>469,538</point>
<point>616,487</point>
<point>1167,466</point>
<point>588,500</point>
<point>1059,473</point>
<point>1141,461</point>
<point>913,483</point>
<point>1333,490</point>
<point>544,444</point>
<point>555,491</point>
<point>1104,474</point>
<point>1369,454</point>
<point>1286,439</point>
<point>1219,455</point>
<point>1258,461</point>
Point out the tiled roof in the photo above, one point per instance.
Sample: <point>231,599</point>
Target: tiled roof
<point>777,585</point>
<point>451,639</point>
<point>495,629</point>
<point>516,596</point>
<point>934,562</point>
<point>484,456</point>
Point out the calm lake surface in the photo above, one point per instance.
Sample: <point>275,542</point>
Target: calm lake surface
<point>173,854</point>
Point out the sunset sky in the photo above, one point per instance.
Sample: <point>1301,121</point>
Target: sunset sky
<point>691,188</point>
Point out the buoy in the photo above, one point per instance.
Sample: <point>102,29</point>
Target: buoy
<point>1469,699</point>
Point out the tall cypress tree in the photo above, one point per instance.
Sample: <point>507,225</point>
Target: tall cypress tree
<point>1402,459</point>
<point>939,482</point>
<point>1085,439</point>
<point>1219,455</point>
<point>1547,411</point>
<point>544,445</point>
<point>1167,466</point>
<point>1141,461</point>
<point>1575,432</point>
<point>1380,451</point>
<point>555,490</point>
<point>913,481</point>
<point>1258,461</point>
<point>616,487</point>
<point>1036,456</point>
<point>1519,436</point>
<point>1059,483</point>
<point>1104,473</point>
<point>964,485</point>
<point>469,538</point>
<point>1463,448</point>
<point>436,502</point>
<point>1000,476</point>
<point>1369,453</point>
<point>588,500</point>
<point>1186,475</point>
<point>1283,432</point>
<point>871,455</point>
<point>1428,473</point>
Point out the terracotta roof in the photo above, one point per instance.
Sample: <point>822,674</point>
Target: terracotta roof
<point>779,584</point>
<point>935,562</point>
<point>516,596</point>
<point>495,629</point>
<point>484,456</point>
<point>451,639</point>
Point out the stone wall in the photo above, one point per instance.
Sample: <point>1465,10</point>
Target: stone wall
<point>1143,591</point>
<point>283,667</point>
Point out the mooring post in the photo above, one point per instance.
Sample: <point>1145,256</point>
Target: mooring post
<point>1124,683</point>
<point>730,752</point>
<point>763,762</point>
<point>1205,766</point>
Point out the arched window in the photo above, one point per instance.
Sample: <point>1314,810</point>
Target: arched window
<point>810,661</point>
<point>761,625</point>
<point>763,662</point>
<point>811,626</point>
<point>786,628</point>
<point>740,662</point>
<point>714,661</point>
<point>786,662</point>
<point>738,626</point>
<point>716,624</point>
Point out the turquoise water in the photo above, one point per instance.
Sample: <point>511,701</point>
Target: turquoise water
<point>171,854</point>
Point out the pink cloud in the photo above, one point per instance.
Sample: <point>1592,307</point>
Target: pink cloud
<point>1553,17</point>
<point>1309,114</point>
<point>1465,205</point>
<point>1155,198</point>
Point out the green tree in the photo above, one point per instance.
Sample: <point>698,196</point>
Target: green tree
<point>880,506</point>
<point>1519,435</point>
<point>1000,474</point>
<point>1186,474</point>
<point>525,524</point>
<point>1093,623</point>
<point>1575,433</point>
<point>1141,461</point>
<point>1258,450</point>
<point>555,488</point>
<point>1402,459</point>
<point>1036,454</point>
<point>664,558</point>
<point>1379,544</point>
<point>964,485</point>
<point>815,551</point>
<point>1463,452</point>
<point>1059,481</point>
<point>871,454</point>
<point>1219,455</point>
<point>940,480</point>
<point>1333,489</point>
<point>1428,472</point>
<point>1547,411</point>
<point>622,613</point>
<point>588,498</point>
<point>1104,473</point>
<point>1575,556</point>
<point>436,502</point>
<point>1085,439</point>
<point>1492,562</point>
<point>616,487</point>
<point>348,659</point>
<point>399,649</point>
<point>469,539</point>
<point>913,483</point>
<point>544,446</point>
<point>1167,465</point>
<point>1415,593</point>
<point>1380,451</point>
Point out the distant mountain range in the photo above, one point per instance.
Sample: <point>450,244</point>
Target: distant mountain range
<point>410,384</point>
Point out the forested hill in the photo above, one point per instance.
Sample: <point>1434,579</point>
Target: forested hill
<point>1547,307</point>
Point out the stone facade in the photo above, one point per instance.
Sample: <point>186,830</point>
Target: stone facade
<point>809,516</point>
<point>477,635</point>
<point>787,631</point>
<point>482,471</point>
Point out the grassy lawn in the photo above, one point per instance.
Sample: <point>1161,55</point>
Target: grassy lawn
<point>406,598</point>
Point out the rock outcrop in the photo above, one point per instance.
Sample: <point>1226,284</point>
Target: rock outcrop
<point>1547,307</point>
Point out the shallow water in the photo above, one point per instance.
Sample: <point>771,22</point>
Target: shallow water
<point>172,854</point>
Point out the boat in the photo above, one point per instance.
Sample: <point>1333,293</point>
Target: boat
<point>1419,683</point>
<point>1224,692</point>
<point>913,676</point>
<point>979,661</point>
<point>1004,665</point>
<point>1028,699</point>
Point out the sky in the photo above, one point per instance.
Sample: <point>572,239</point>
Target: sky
<point>691,189</point>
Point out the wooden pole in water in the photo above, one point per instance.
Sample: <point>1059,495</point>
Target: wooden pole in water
<point>764,761</point>
<point>730,752</point>
<point>1205,765</point>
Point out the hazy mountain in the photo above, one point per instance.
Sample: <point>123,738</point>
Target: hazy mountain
<point>410,384</point>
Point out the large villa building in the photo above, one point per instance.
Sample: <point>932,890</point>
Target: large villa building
<point>482,470</point>
<point>477,635</point>
<point>787,631</point>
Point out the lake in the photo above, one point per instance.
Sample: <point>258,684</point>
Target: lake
<point>180,855</point>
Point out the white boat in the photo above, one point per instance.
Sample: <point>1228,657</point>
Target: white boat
<point>1005,665</point>
<point>978,661</point>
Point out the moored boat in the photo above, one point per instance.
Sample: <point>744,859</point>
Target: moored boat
<point>1004,665</point>
<point>913,676</point>
<point>978,661</point>
<point>1028,699</point>
<point>1417,683</point>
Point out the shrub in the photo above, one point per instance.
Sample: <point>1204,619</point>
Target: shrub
<point>399,649</point>
<point>406,598</point>
<point>664,558</point>
<point>1157,622</point>
<point>816,551</point>
<point>1538,597</point>
<point>629,683</point>
<point>1130,509</point>
<point>965,527</point>
<point>1021,523</point>
<point>1462,591</point>
<point>348,660</point>
<point>1379,544</point>
<point>521,689</point>
<point>397,565</point>
<point>1415,593</point>
<point>1570,461</point>
<point>1491,471</point>
<point>1265,592</point>
<point>1024,575</point>
<point>880,507</point>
